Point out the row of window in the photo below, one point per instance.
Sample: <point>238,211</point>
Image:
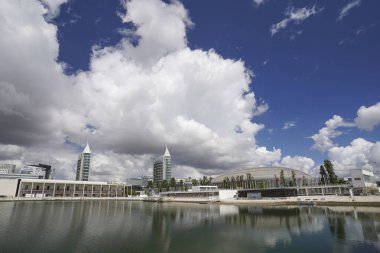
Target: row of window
<point>67,188</point>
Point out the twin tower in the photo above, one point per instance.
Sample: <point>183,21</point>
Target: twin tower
<point>162,168</point>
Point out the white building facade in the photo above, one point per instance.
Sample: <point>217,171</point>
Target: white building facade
<point>362,178</point>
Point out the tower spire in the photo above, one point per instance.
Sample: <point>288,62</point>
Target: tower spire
<point>166,152</point>
<point>87,149</point>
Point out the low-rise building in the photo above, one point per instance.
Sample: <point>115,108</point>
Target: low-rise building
<point>41,188</point>
<point>363,181</point>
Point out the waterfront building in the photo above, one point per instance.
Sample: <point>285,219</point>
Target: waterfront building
<point>69,188</point>
<point>83,165</point>
<point>261,182</point>
<point>7,168</point>
<point>162,167</point>
<point>363,181</point>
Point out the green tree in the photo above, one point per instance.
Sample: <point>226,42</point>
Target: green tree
<point>158,186</point>
<point>173,183</point>
<point>194,182</point>
<point>304,181</point>
<point>150,184</point>
<point>282,178</point>
<point>241,180</point>
<point>228,183</point>
<point>333,179</point>
<point>294,178</point>
<point>233,182</point>
<point>164,185</point>
<point>181,184</point>
<point>204,181</point>
<point>323,174</point>
<point>276,180</point>
<point>249,180</point>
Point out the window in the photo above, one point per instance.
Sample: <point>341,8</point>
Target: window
<point>37,187</point>
<point>48,187</point>
<point>357,178</point>
<point>67,188</point>
<point>367,178</point>
<point>26,187</point>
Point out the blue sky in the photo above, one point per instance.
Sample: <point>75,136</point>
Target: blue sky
<point>323,60</point>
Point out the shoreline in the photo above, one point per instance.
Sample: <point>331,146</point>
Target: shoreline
<point>319,200</point>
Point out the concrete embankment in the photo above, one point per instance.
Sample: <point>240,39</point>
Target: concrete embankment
<point>317,200</point>
<point>320,200</point>
<point>71,199</point>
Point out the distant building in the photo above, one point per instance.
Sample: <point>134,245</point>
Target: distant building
<point>83,165</point>
<point>162,168</point>
<point>31,170</point>
<point>363,181</point>
<point>146,179</point>
<point>6,168</point>
<point>134,181</point>
<point>44,167</point>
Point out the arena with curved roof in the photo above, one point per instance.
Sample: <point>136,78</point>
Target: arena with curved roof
<point>263,177</point>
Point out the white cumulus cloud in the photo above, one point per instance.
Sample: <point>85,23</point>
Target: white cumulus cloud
<point>323,139</point>
<point>135,99</point>
<point>301,163</point>
<point>368,117</point>
<point>53,7</point>
<point>360,153</point>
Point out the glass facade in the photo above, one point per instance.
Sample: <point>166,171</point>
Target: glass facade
<point>83,165</point>
<point>162,168</point>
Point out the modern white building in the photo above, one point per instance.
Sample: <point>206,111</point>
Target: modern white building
<point>69,188</point>
<point>162,168</point>
<point>83,165</point>
<point>363,180</point>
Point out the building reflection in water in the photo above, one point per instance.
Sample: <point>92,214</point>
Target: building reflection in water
<point>121,226</point>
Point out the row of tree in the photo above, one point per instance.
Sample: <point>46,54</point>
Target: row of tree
<point>249,182</point>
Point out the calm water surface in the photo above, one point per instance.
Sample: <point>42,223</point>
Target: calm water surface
<point>123,226</point>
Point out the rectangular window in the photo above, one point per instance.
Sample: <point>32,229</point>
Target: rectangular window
<point>357,178</point>
<point>367,178</point>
